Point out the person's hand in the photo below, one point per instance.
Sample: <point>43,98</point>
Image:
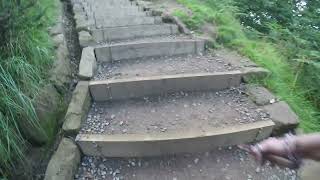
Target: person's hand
<point>278,151</point>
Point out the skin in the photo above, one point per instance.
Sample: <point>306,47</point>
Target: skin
<point>276,151</point>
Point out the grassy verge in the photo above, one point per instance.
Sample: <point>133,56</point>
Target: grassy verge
<point>251,44</point>
<point>26,53</point>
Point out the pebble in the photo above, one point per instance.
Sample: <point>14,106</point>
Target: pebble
<point>258,170</point>
<point>113,116</point>
<point>196,160</point>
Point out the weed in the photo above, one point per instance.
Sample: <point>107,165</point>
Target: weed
<point>258,48</point>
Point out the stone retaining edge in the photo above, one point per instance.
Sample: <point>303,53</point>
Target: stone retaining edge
<point>88,64</point>
<point>139,145</point>
<point>143,86</point>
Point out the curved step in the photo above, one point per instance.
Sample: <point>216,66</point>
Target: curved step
<point>149,47</point>
<point>133,32</point>
<point>137,145</point>
<point>227,163</point>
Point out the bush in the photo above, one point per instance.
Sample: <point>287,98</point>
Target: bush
<point>26,53</point>
<point>296,83</point>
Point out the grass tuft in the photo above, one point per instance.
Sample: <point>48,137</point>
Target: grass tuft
<point>250,43</point>
<point>26,53</point>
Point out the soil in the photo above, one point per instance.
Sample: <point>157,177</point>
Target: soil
<point>164,66</point>
<point>172,112</point>
<point>227,163</point>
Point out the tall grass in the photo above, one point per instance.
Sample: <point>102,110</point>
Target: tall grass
<point>255,46</point>
<point>26,53</point>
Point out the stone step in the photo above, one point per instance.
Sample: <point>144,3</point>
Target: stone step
<point>115,89</point>
<point>209,62</point>
<point>149,47</point>
<point>227,163</point>
<point>133,32</point>
<point>172,123</point>
<point>110,12</point>
<point>126,21</point>
<point>111,2</point>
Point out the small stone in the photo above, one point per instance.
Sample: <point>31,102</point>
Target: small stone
<point>121,123</point>
<point>163,129</point>
<point>258,170</point>
<point>196,160</point>
<point>113,116</point>
<point>133,163</point>
<point>124,131</point>
<point>272,101</point>
<point>174,178</point>
<point>186,105</point>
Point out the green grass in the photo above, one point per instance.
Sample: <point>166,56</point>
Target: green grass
<point>251,44</point>
<point>26,54</point>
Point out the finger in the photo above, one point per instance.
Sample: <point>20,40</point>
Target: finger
<point>281,161</point>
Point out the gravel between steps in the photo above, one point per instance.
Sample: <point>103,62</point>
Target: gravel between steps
<point>220,164</point>
<point>164,66</point>
<point>172,112</point>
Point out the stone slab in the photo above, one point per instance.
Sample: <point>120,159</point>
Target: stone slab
<point>88,64</point>
<point>78,108</point>
<point>133,32</point>
<point>144,86</point>
<point>260,95</point>
<point>131,10</point>
<point>134,50</point>
<point>284,118</point>
<point>64,162</point>
<point>255,73</point>
<point>141,145</point>
<point>85,39</point>
<point>125,21</point>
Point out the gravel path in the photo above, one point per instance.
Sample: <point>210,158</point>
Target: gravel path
<point>221,164</point>
<point>164,66</point>
<point>198,110</point>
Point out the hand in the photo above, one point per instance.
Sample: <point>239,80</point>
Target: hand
<point>275,150</point>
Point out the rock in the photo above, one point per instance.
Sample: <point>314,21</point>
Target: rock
<point>260,95</point>
<point>156,12</point>
<point>78,108</point>
<point>172,19</point>
<point>88,64</point>
<point>56,29</point>
<point>47,106</point>
<point>254,73</point>
<point>58,40</point>
<point>61,74</point>
<point>196,160</point>
<point>85,38</point>
<point>64,162</point>
<point>284,118</point>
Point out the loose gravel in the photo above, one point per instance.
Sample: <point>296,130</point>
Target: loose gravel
<point>227,163</point>
<point>164,66</point>
<point>172,112</point>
